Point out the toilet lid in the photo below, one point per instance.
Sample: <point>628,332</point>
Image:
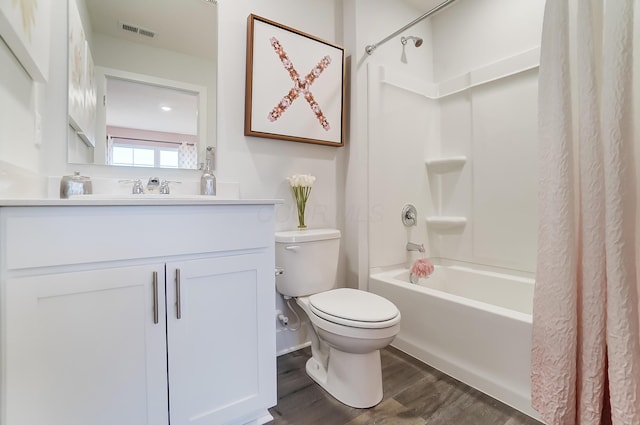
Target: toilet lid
<point>353,305</point>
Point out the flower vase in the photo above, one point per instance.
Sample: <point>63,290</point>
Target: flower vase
<point>301,208</point>
<point>301,187</point>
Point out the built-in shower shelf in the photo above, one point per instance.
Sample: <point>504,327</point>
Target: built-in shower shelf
<point>443,222</point>
<point>446,164</point>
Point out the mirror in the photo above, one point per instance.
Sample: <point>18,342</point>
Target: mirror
<point>142,87</point>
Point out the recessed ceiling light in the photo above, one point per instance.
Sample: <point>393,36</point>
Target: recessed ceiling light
<point>166,108</point>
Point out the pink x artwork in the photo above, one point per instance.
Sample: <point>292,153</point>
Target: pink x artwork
<point>300,86</point>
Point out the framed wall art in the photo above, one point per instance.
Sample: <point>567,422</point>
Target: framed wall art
<point>77,63</point>
<point>25,25</point>
<point>295,87</point>
<point>82,96</point>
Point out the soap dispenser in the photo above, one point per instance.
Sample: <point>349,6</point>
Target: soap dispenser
<point>208,180</point>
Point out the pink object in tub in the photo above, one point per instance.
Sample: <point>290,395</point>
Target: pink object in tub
<point>422,268</point>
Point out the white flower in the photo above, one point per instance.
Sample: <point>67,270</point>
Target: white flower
<point>301,180</point>
<point>301,188</point>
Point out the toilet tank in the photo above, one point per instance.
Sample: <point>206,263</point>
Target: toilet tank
<point>309,259</point>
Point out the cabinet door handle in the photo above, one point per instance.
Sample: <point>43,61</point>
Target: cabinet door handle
<point>178,304</point>
<point>155,298</point>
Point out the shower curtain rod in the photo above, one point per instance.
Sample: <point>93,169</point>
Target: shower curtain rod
<point>370,48</point>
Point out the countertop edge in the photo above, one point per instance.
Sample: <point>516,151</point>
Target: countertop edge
<point>45,202</point>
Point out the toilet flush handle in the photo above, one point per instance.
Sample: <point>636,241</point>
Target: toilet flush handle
<point>294,248</point>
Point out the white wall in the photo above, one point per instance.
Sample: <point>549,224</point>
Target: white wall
<point>493,124</point>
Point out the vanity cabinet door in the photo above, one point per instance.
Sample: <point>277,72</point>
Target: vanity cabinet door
<point>82,348</point>
<point>221,346</point>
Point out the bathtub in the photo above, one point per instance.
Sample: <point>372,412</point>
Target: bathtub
<point>472,325</point>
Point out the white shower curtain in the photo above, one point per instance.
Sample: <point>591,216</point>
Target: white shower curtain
<point>586,344</point>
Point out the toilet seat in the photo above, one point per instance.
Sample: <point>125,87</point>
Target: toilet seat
<point>354,308</point>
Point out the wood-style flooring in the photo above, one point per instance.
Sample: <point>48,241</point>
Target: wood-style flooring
<point>414,394</point>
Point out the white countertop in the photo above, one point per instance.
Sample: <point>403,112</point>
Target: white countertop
<point>137,200</point>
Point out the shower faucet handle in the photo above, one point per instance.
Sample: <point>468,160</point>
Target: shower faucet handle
<point>409,215</point>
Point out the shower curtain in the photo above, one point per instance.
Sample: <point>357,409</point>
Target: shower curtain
<point>585,366</point>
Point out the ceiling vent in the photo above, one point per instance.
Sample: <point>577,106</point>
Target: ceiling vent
<point>146,33</point>
<point>137,30</point>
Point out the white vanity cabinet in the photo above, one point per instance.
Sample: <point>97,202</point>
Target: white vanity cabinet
<point>137,314</point>
<point>215,374</point>
<point>79,348</point>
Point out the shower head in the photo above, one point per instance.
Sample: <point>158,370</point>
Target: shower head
<point>417,41</point>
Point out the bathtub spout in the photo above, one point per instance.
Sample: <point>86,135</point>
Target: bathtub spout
<point>415,247</point>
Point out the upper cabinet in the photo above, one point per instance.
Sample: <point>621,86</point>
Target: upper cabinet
<point>142,88</point>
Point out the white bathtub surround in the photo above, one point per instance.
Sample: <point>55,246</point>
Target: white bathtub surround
<point>586,301</point>
<point>473,325</point>
<point>457,147</point>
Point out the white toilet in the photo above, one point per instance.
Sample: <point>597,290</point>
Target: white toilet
<point>347,328</point>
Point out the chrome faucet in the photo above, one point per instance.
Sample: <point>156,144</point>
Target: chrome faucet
<point>164,186</point>
<point>415,247</point>
<point>137,188</point>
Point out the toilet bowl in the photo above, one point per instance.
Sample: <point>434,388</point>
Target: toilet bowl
<point>347,327</point>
